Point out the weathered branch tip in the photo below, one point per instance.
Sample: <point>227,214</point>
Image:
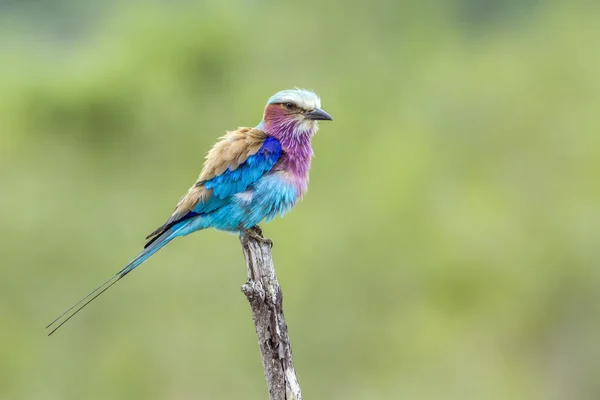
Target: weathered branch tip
<point>266,301</point>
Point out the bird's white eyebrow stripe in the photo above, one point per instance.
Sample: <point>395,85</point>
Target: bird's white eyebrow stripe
<point>305,99</point>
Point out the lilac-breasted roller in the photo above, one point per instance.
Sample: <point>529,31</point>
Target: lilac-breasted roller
<point>250,175</point>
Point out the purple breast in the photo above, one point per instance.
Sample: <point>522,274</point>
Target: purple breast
<point>294,166</point>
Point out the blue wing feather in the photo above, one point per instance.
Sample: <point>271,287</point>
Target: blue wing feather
<point>238,180</point>
<point>230,182</point>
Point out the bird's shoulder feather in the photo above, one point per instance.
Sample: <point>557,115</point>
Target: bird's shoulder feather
<point>231,150</point>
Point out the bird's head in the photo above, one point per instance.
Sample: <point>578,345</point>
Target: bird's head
<point>293,112</point>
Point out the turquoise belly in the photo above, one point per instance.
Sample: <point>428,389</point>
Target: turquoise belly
<point>270,196</point>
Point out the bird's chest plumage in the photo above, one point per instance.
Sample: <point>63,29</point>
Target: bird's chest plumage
<point>273,194</point>
<point>276,192</point>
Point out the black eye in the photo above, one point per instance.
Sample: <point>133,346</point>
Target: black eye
<point>290,106</point>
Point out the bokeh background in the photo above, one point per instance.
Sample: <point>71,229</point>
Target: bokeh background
<point>448,247</point>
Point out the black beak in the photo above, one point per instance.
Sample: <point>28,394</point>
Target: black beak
<point>318,115</point>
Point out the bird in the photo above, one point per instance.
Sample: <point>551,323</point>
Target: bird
<point>250,175</point>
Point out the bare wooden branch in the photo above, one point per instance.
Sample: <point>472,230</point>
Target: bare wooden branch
<point>266,301</point>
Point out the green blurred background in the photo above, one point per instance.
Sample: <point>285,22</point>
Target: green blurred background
<point>448,247</point>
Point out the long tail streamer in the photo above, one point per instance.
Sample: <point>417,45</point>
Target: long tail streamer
<point>137,261</point>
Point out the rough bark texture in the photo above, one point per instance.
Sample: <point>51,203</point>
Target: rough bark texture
<point>266,300</point>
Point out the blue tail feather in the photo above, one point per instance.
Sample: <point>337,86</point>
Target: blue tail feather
<point>155,246</point>
<point>149,251</point>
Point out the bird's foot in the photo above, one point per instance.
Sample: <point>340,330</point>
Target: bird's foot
<point>256,234</point>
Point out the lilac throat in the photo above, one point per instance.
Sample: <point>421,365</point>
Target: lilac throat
<point>297,151</point>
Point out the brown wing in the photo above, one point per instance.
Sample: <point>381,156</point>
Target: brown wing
<point>230,151</point>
